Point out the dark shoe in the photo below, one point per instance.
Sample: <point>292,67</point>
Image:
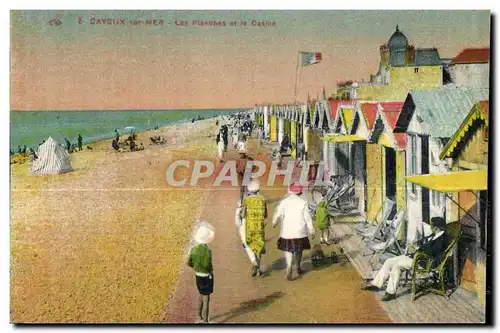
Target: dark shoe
<point>300,271</point>
<point>388,297</point>
<point>370,287</point>
<point>255,269</point>
<point>289,276</point>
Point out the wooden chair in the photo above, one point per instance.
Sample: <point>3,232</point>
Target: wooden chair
<point>428,267</point>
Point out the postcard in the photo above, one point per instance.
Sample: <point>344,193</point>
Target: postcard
<point>273,166</point>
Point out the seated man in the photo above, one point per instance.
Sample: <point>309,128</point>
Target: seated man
<point>433,245</point>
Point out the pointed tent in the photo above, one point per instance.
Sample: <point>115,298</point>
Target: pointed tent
<point>52,159</point>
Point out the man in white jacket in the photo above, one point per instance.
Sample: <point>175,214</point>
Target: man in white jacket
<point>296,226</point>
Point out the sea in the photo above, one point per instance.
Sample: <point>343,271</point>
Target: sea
<point>30,128</point>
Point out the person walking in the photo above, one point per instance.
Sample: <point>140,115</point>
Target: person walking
<point>296,226</point>
<point>220,148</point>
<point>80,142</point>
<point>261,137</point>
<point>235,137</point>
<point>254,213</point>
<point>200,259</point>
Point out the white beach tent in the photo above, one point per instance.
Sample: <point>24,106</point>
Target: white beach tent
<point>52,159</point>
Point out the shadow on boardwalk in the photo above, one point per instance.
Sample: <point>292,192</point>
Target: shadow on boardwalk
<point>249,306</point>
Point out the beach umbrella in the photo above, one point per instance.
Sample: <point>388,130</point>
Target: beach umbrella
<point>129,127</point>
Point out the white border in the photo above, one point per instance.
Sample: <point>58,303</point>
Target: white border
<point>185,4</point>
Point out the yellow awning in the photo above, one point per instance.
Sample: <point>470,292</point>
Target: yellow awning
<point>343,138</point>
<point>457,181</point>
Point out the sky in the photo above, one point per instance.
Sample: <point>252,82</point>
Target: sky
<point>78,65</point>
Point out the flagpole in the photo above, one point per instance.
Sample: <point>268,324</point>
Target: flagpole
<point>296,77</point>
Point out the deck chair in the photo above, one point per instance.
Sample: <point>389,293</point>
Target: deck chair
<point>427,267</point>
<point>391,244</point>
<point>374,232</point>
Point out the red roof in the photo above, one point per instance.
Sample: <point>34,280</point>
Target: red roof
<point>400,140</point>
<point>391,112</point>
<point>471,56</point>
<point>334,104</point>
<point>370,112</point>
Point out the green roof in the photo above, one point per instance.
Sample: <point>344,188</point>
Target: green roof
<point>444,109</point>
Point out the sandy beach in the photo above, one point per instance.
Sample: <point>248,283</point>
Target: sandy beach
<point>104,243</point>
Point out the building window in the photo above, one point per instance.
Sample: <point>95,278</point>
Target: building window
<point>415,70</point>
<point>413,162</point>
<point>437,199</point>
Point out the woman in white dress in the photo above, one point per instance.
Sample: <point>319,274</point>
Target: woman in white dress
<point>220,148</point>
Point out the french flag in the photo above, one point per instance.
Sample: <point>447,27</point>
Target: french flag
<point>310,58</point>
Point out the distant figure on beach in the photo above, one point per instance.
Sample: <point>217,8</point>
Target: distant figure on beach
<point>19,150</point>
<point>261,136</point>
<point>235,138</point>
<point>117,136</point>
<point>224,131</point>
<point>68,145</point>
<point>80,142</point>
<point>217,123</point>
<point>115,145</point>
<point>132,145</point>
<point>33,155</point>
<point>24,149</point>
<point>285,144</point>
<point>141,147</point>
<point>192,121</point>
<point>220,148</point>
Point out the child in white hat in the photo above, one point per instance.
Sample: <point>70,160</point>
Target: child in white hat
<point>200,259</point>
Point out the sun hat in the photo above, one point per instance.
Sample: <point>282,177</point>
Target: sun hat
<point>205,233</point>
<point>253,185</point>
<point>295,189</point>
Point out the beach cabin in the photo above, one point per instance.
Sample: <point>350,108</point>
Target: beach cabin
<point>387,170</point>
<point>347,154</point>
<point>344,116</point>
<point>469,203</point>
<point>314,140</point>
<point>304,121</point>
<point>266,120</point>
<point>273,123</point>
<point>295,128</point>
<point>430,118</point>
<point>364,118</point>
